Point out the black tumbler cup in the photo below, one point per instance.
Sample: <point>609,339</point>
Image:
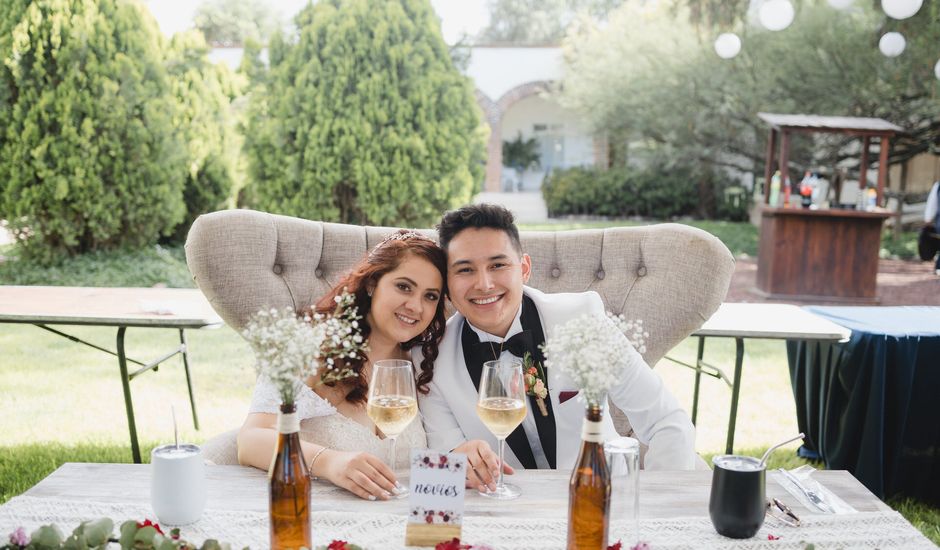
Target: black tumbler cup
<point>737,504</point>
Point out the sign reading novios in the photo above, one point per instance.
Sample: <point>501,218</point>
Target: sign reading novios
<point>437,497</point>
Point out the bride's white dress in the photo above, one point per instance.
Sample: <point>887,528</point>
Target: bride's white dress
<point>322,424</point>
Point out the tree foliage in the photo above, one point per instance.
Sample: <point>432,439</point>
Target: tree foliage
<point>228,23</point>
<point>652,79</point>
<point>207,122</point>
<point>521,154</point>
<point>88,153</point>
<point>539,22</point>
<point>363,118</point>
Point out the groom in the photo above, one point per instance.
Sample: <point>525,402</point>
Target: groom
<point>498,316</point>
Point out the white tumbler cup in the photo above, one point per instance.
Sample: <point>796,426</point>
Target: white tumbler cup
<point>177,484</point>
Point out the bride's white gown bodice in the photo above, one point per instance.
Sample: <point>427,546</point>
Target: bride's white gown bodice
<point>322,424</point>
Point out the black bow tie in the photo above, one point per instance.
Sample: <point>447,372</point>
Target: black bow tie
<point>518,345</point>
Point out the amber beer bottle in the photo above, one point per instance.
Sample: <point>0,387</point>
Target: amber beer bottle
<point>289,487</point>
<point>589,489</point>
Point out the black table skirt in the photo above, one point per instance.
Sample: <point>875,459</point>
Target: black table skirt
<point>872,406</point>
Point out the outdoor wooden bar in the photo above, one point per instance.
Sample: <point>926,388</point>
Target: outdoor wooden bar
<point>829,255</point>
<point>822,254</point>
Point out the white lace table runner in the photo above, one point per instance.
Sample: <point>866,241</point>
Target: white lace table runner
<point>870,530</point>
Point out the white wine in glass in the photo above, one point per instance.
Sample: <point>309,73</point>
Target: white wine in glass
<point>501,408</point>
<point>393,404</point>
<point>392,413</point>
<point>501,415</point>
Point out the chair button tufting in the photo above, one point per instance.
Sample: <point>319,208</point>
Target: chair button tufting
<point>600,274</point>
<point>556,273</point>
<point>641,271</point>
<point>318,272</point>
<point>277,269</point>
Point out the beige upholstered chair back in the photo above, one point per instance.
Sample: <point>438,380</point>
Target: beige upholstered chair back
<point>671,276</point>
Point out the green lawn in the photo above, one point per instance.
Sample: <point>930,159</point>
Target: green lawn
<point>63,402</point>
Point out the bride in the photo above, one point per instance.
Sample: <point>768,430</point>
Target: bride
<point>399,291</point>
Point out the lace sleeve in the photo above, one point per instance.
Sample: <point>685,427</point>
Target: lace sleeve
<point>266,399</point>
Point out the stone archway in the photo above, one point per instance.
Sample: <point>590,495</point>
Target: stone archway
<point>493,111</point>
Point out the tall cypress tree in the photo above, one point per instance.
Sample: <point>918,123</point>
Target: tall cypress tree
<point>206,121</point>
<point>88,154</point>
<point>366,118</point>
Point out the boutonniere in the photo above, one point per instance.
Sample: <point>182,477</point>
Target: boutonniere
<point>535,381</point>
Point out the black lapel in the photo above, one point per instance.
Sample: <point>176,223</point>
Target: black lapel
<point>545,424</point>
<point>517,440</point>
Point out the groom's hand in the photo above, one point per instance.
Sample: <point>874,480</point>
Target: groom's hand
<point>482,464</point>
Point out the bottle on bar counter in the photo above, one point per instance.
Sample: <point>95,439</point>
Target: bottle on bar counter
<point>775,189</point>
<point>806,190</point>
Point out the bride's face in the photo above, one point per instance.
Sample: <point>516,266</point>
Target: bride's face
<point>405,299</point>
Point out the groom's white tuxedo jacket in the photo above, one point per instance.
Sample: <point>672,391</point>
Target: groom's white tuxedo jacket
<point>449,408</point>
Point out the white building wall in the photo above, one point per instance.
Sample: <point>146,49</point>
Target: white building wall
<point>565,142</point>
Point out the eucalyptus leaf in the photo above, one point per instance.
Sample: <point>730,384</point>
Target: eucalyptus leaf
<point>75,541</point>
<point>97,532</point>
<point>128,532</point>
<point>146,535</point>
<point>47,536</point>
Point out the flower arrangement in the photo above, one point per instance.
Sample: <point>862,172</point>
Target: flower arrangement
<point>98,534</point>
<point>591,350</point>
<point>534,376</point>
<point>632,329</point>
<point>290,349</point>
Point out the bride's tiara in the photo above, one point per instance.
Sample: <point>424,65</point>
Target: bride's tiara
<point>401,235</point>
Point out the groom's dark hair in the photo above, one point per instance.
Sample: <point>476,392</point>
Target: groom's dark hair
<point>478,216</point>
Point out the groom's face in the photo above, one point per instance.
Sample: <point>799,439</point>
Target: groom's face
<point>485,274</point>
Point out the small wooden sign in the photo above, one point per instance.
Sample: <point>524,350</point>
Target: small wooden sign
<point>435,505</point>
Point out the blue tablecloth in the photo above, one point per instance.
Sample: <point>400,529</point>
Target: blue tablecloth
<point>872,405</point>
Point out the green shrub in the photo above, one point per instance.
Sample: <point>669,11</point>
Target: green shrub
<point>364,118</point>
<point>206,123</point>
<point>89,157</point>
<point>619,192</point>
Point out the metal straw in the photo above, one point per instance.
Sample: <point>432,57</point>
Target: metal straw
<point>176,434</point>
<point>763,459</point>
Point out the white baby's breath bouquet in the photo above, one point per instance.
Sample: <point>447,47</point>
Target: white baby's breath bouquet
<point>632,329</point>
<point>592,350</point>
<point>289,348</point>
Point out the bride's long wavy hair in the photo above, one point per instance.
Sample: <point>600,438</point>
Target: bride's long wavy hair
<point>384,258</point>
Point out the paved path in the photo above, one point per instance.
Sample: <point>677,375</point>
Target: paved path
<point>527,206</point>
<point>900,283</point>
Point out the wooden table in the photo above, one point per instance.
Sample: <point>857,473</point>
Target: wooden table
<point>544,492</point>
<point>819,255</point>
<point>766,321</point>
<point>121,308</point>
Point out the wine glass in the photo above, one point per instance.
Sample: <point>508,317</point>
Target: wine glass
<point>502,408</point>
<point>392,404</point>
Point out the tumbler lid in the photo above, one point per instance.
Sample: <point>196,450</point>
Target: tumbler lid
<point>185,450</point>
<point>738,463</point>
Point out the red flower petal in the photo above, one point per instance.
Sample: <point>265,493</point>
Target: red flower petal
<point>771,537</point>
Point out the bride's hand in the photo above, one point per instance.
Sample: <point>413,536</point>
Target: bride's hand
<point>482,464</point>
<point>362,474</point>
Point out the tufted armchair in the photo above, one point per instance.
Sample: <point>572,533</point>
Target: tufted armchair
<point>671,276</point>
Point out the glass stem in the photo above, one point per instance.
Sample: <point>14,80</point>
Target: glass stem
<point>502,443</point>
<point>391,453</point>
